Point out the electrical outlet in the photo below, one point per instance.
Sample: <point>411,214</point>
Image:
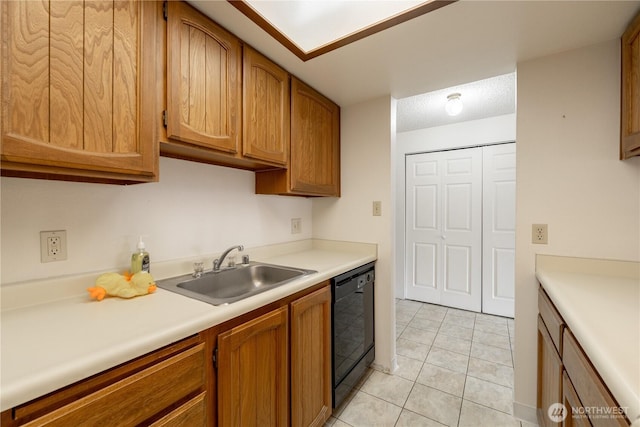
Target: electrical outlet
<point>53,245</point>
<point>296,225</point>
<point>377,208</point>
<point>539,234</point>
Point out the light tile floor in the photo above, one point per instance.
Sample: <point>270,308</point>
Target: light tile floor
<point>455,369</point>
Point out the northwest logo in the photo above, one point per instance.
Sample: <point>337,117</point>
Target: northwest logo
<point>557,412</point>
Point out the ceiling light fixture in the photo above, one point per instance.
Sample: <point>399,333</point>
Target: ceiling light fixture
<point>454,104</point>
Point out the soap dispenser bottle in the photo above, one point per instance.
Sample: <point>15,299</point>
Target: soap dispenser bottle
<point>140,260</point>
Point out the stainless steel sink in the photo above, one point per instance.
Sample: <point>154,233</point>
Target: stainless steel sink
<point>234,284</point>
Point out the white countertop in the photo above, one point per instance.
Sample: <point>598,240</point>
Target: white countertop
<point>53,334</point>
<point>600,303</point>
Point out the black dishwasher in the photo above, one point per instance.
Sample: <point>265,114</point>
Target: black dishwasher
<point>352,328</point>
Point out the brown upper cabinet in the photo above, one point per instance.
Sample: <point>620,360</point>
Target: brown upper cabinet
<point>204,100</point>
<point>225,103</point>
<point>204,65</point>
<point>314,164</point>
<point>266,109</point>
<point>78,82</point>
<point>630,114</point>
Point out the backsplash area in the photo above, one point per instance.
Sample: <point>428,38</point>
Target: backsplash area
<point>194,209</point>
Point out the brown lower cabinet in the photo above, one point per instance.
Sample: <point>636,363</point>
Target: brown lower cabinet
<point>162,388</point>
<point>570,400</point>
<point>273,369</point>
<point>253,365</point>
<point>567,377</point>
<point>549,375</point>
<point>311,359</point>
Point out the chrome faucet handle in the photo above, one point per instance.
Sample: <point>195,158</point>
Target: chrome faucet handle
<point>245,259</point>
<point>198,268</point>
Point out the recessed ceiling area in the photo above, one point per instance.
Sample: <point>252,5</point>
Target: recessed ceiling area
<point>311,28</point>
<point>331,20</point>
<point>490,97</point>
<point>463,42</point>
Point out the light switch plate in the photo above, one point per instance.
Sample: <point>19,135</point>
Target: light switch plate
<point>296,225</point>
<point>377,208</point>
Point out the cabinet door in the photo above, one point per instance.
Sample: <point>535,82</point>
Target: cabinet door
<point>571,401</point>
<point>78,89</point>
<point>549,376</point>
<point>203,80</point>
<point>311,359</point>
<point>315,142</point>
<point>588,385</point>
<point>266,109</point>
<point>630,114</point>
<point>314,159</point>
<point>253,380</point>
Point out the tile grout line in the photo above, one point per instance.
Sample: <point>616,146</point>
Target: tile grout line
<point>439,332</point>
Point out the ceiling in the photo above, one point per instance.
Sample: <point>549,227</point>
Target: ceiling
<point>463,42</point>
<point>331,20</point>
<point>490,97</point>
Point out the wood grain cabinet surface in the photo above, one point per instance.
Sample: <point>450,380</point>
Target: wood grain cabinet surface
<point>630,114</point>
<point>588,385</point>
<point>311,359</point>
<point>224,103</point>
<point>253,372</point>
<point>571,400</point>
<point>266,109</point>
<point>314,163</point>
<point>274,365</point>
<point>549,375</point>
<point>204,66</point>
<point>163,387</point>
<point>78,90</point>
<point>566,376</point>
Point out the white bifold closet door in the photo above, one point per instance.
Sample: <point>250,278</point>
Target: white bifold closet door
<point>444,228</point>
<point>499,229</point>
<point>459,229</point>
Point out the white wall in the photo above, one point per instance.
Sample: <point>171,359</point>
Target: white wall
<point>194,209</point>
<point>367,138</point>
<point>459,135</point>
<point>569,177</point>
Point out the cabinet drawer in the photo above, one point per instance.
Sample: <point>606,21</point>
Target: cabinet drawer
<point>192,414</point>
<point>552,319</point>
<point>134,399</point>
<point>589,387</point>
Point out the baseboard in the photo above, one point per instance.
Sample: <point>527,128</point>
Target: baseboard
<point>525,413</point>
<point>386,369</point>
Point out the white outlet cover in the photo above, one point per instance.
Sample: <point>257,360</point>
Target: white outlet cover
<point>59,251</point>
<point>539,234</point>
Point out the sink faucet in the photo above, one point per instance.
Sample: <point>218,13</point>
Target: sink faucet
<point>217,263</point>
